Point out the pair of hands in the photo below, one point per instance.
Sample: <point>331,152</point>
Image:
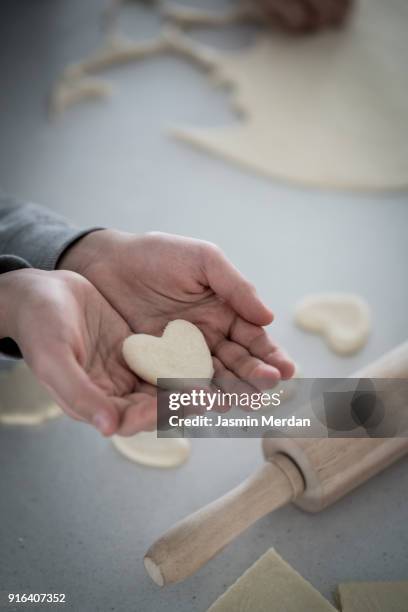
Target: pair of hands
<point>304,15</point>
<point>70,324</point>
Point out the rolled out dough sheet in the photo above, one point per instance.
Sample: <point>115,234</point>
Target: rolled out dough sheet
<point>374,596</point>
<point>23,401</point>
<point>329,110</point>
<point>147,449</point>
<point>271,585</point>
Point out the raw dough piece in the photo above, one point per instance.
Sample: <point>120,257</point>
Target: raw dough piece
<point>116,50</point>
<point>181,352</point>
<point>343,319</point>
<point>271,585</point>
<point>75,84</point>
<point>146,448</point>
<point>23,401</point>
<point>186,16</point>
<point>71,90</point>
<point>374,596</point>
<point>330,109</point>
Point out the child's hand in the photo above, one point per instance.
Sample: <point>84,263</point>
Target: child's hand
<point>71,338</point>
<point>153,279</point>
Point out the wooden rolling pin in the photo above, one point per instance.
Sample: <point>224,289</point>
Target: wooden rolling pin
<point>313,472</point>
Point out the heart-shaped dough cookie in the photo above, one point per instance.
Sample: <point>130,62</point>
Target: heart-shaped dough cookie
<point>181,352</point>
<point>343,319</point>
<point>147,449</point>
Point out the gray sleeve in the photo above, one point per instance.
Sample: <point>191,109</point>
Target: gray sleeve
<point>31,237</point>
<point>35,234</point>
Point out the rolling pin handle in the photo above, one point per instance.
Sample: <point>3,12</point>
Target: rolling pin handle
<point>196,539</point>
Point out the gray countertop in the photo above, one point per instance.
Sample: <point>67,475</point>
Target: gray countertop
<point>76,517</point>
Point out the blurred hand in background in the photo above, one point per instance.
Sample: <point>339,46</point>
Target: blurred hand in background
<point>304,15</point>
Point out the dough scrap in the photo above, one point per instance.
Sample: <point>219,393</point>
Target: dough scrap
<point>181,352</point>
<point>328,110</point>
<point>189,16</point>
<point>147,449</point>
<point>342,319</point>
<point>271,585</point>
<point>71,90</point>
<point>117,49</point>
<point>75,84</point>
<point>23,401</point>
<point>309,116</point>
<point>374,596</point>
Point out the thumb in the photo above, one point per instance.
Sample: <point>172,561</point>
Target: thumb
<point>229,284</point>
<point>74,391</point>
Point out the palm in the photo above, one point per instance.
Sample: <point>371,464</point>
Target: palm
<point>81,336</point>
<point>101,353</point>
<point>215,319</point>
<point>151,310</point>
<point>104,331</point>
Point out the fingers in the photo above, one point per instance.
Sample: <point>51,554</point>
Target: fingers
<point>241,362</point>
<point>74,391</point>
<point>229,284</point>
<point>258,344</point>
<point>229,382</point>
<point>139,413</point>
<point>83,400</point>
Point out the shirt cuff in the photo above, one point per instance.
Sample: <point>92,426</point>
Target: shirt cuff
<point>36,234</point>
